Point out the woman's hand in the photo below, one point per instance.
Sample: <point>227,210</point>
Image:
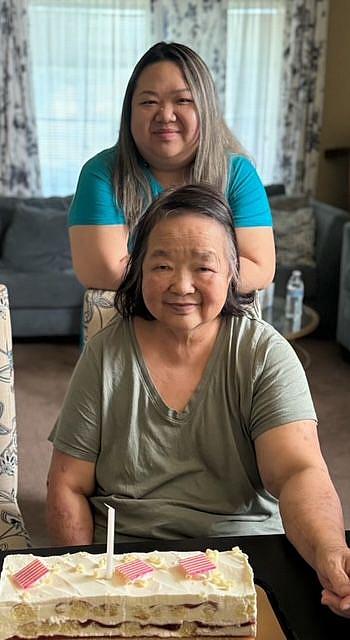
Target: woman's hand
<point>333,570</point>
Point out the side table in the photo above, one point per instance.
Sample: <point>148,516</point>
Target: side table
<point>275,315</point>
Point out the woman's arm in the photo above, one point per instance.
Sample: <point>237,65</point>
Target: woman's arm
<point>99,254</point>
<point>253,224</point>
<point>97,225</point>
<point>293,470</point>
<point>257,257</point>
<point>69,517</point>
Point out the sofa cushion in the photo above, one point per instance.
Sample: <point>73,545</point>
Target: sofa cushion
<point>45,290</point>
<point>36,239</point>
<point>8,205</point>
<point>295,231</point>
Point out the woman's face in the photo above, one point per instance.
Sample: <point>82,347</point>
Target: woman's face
<point>164,118</point>
<point>186,271</point>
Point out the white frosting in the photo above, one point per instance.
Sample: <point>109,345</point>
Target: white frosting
<point>76,589</point>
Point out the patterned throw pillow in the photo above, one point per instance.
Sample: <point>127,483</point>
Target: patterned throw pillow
<point>295,232</point>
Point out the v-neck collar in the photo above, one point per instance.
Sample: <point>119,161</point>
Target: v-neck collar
<point>201,390</point>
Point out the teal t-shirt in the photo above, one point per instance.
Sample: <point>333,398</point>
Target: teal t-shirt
<point>95,201</point>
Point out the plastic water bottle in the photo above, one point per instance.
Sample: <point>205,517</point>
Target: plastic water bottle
<point>294,300</point>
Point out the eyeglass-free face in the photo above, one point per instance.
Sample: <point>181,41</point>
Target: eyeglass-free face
<point>164,118</point>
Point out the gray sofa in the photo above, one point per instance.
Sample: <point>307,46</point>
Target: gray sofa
<point>322,280</point>
<point>35,264</point>
<point>343,327</point>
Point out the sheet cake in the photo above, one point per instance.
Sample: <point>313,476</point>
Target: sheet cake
<point>163,594</point>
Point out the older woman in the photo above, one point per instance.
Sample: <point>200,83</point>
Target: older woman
<point>171,133</point>
<point>188,416</point>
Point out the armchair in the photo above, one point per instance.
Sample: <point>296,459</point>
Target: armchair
<point>12,532</point>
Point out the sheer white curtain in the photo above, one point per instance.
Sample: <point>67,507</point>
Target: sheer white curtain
<point>253,77</point>
<point>83,54</point>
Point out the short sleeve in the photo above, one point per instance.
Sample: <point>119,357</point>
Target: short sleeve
<point>281,392</point>
<point>246,195</point>
<point>77,431</point>
<point>94,202</point>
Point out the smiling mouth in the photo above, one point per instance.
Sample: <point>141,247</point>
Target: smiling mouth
<point>182,308</point>
<point>166,132</point>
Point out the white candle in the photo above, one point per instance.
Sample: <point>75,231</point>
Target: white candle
<point>110,541</point>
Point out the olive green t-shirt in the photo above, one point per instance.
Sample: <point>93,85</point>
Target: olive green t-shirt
<point>191,473</point>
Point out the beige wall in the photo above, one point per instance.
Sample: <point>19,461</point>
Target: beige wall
<point>334,174</point>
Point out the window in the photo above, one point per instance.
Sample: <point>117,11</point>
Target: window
<point>83,53</point>
<point>253,77</point>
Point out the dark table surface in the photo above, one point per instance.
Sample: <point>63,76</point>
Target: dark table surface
<point>292,586</point>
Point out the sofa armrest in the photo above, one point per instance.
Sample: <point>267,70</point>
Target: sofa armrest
<point>343,327</point>
<point>329,229</point>
<point>329,233</point>
<point>275,189</point>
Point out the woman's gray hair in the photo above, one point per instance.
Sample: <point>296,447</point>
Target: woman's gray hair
<point>202,199</point>
<point>215,139</point>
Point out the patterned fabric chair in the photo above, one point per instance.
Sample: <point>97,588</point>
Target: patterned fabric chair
<point>98,310</point>
<point>12,532</point>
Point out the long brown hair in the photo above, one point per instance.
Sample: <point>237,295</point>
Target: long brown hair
<point>215,139</point>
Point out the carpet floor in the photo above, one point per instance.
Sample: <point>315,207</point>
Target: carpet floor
<point>42,373</point>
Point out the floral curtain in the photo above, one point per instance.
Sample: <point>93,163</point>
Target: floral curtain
<point>19,161</point>
<point>302,93</point>
<point>200,25</point>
